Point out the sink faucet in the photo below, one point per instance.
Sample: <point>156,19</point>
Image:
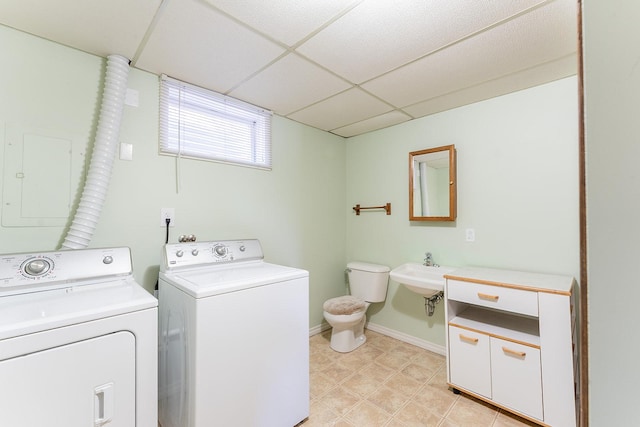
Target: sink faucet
<point>428,260</point>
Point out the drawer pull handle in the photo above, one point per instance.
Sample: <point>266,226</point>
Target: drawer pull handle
<point>468,339</point>
<point>488,297</point>
<point>515,353</point>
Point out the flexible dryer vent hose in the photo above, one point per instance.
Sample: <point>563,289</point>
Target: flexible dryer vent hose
<point>104,152</point>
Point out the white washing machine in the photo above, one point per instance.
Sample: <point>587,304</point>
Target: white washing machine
<point>78,341</point>
<point>233,337</point>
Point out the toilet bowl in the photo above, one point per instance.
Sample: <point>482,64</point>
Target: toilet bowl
<point>347,314</point>
<point>347,332</point>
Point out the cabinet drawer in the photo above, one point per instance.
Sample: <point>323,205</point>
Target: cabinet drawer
<point>498,297</point>
<point>469,360</point>
<point>517,377</point>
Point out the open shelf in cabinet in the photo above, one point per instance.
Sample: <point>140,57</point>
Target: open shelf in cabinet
<point>507,326</point>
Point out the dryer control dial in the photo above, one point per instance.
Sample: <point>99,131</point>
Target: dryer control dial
<point>37,267</point>
<point>220,250</point>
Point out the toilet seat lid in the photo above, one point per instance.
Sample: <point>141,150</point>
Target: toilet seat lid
<point>344,305</point>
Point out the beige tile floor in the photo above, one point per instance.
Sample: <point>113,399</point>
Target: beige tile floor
<point>390,383</point>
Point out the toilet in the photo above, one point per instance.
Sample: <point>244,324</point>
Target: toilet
<point>347,314</point>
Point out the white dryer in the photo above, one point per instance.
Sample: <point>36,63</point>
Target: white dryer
<point>234,337</point>
<point>78,341</point>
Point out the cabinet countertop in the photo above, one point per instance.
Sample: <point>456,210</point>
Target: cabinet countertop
<point>537,282</point>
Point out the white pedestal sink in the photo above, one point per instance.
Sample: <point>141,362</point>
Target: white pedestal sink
<point>426,281</point>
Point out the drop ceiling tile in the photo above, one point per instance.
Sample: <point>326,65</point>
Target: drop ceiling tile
<point>379,35</point>
<point>195,43</point>
<point>343,109</point>
<point>289,84</point>
<point>287,21</point>
<point>382,121</point>
<point>531,77</point>
<point>98,27</point>
<point>539,36</point>
<point>239,46</point>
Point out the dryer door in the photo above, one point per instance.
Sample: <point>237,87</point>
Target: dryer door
<point>87,383</point>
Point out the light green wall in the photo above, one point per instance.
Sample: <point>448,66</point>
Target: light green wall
<point>517,184</point>
<point>296,210</point>
<point>517,187</point>
<point>612,145</point>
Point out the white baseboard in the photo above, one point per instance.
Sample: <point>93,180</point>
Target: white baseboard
<point>319,329</point>
<point>400,336</point>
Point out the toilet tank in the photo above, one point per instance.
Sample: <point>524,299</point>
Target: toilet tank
<point>368,281</point>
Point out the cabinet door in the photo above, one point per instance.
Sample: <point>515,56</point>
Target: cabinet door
<point>516,373</point>
<point>469,360</point>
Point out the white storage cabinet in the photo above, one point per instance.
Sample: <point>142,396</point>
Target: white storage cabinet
<point>510,342</point>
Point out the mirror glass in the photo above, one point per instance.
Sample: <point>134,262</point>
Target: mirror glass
<point>432,184</point>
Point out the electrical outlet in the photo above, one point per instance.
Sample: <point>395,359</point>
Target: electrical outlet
<point>167,213</point>
<point>470,235</point>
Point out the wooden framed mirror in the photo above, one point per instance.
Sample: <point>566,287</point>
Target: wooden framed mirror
<point>432,184</point>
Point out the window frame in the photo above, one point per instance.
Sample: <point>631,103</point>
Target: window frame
<point>201,124</point>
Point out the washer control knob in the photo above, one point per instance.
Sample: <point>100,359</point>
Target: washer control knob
<point>220,250</point>
<point>242,248</point>
<point>179,254</point>
<point>107,260</point>
<point>37,267</point>
<point>195,252</point>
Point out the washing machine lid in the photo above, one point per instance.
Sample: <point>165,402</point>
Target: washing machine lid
<point>219,279</point>
<point>40,311</point>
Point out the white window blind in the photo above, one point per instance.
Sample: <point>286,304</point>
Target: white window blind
<point>202,124</point>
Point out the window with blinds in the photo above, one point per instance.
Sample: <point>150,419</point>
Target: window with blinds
<point>202,124</point>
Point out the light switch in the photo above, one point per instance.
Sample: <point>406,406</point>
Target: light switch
<point>470,235</point>
<point>126,151</point>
